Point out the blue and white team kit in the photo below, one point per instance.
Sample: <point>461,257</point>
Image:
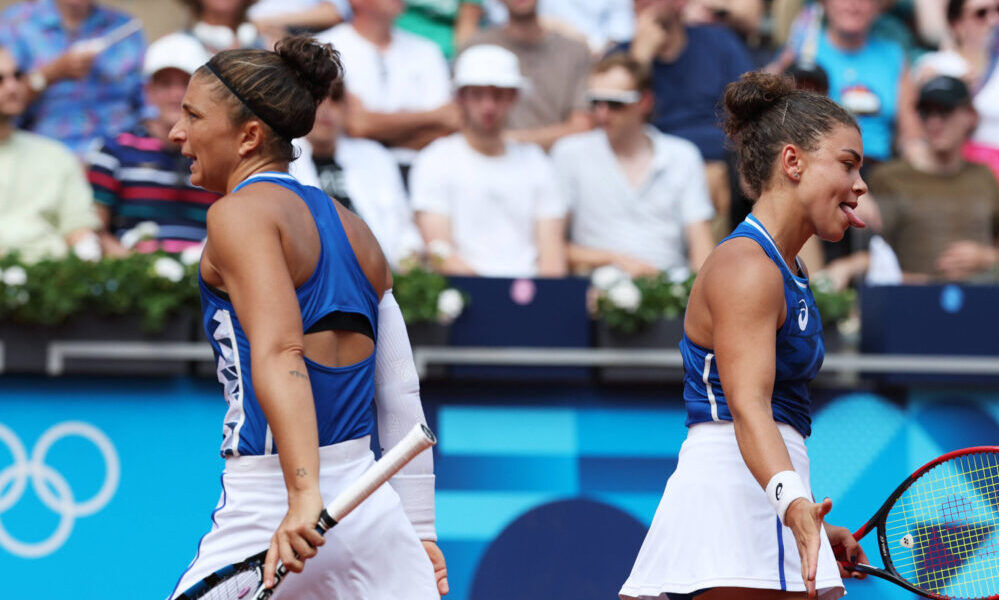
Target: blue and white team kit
<point>354,562</point>
<point>714,526</point>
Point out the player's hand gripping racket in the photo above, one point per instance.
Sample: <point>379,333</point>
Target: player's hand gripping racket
<point>245,580</point>
<point>938,532</point>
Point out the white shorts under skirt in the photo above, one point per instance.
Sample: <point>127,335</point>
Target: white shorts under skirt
<point>373,553</point>
<point>715,528</point>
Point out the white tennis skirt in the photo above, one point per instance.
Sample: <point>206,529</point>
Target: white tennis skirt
<point>715,528</point>
<point>374,553</point>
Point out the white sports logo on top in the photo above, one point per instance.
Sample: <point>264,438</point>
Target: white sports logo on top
<point>803,315</point>
<point>50,486</point>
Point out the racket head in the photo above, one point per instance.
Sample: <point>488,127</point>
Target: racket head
<point>239,581</point>
<point>939,531</point>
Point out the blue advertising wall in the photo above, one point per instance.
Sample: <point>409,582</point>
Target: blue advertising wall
<point>544,491</point>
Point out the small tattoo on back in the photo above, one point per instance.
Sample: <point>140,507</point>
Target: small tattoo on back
<point>298,374</point>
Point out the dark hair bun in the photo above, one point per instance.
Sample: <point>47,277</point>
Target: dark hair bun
<point>747,99</point>
<point>317,65</point>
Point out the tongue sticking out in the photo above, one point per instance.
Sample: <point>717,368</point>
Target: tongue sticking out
<point>852,216</point>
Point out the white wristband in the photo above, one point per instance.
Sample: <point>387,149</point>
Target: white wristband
<point>784,488</point>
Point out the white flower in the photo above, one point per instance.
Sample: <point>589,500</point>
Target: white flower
<point>168,268</point>
<point>15,276</point>
<point>192,254</point>
<point>450,303</point>
<point>129,239</point>
<point>823,283</point>
<point>625,295</point>
<point>143,231</point>
<point>147,229</point>
<point>605,277</point>
<point>22,298</point>
<point>678,274</point>
<point>88,248</point>
<point>440,249</point>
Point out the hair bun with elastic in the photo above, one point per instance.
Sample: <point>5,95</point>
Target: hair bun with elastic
<point>747,99</point>
<point>317,64</point>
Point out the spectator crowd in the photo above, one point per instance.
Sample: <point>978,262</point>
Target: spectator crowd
<point>516,138</point>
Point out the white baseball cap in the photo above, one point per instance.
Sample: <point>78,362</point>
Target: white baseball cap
<point>175,51</point>
<point>488,65</point>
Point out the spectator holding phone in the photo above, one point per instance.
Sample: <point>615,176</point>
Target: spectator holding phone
<point>84,68</point>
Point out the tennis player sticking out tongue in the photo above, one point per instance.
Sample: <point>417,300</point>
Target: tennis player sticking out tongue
<point>737,519</point>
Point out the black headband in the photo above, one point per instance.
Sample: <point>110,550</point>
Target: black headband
<point>240,97</point>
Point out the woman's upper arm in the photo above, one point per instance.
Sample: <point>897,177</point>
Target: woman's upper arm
<point>245,249</point>
<point>746,300</point>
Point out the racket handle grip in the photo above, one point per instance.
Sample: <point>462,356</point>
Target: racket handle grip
<point>417,440</point>
<point>326,522</point>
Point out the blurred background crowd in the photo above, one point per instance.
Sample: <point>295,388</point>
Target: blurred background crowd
<point>513,138</point>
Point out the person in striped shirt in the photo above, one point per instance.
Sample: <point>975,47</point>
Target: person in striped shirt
<point>140,175</point>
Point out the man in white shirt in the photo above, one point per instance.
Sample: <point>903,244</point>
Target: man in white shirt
<point>487,206</point>
<point>553,105</point>
<point>638,197</point>
<point>363,176</point>
<point>398,87</point>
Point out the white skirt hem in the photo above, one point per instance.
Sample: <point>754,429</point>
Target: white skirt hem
<point>827,589</point>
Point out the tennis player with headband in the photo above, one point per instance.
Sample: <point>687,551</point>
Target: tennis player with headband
<point>300,280</point>
<point>737,519</point>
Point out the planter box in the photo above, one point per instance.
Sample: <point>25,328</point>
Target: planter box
<point>429,333</point>
<point>26,346</point>
<point>663,334</point>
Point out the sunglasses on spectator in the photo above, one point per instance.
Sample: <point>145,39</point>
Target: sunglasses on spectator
<point>980,14</point>
<point>16,75</point>
<point>613,100</point>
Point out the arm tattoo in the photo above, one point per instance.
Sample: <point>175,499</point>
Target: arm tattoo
<point>300,472</point>
<point>298,375</point>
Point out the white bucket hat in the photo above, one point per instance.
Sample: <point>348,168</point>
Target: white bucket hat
<point>488,65</point>
<point>175,51</point>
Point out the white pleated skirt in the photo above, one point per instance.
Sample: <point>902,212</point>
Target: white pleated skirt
<point>715,528</point>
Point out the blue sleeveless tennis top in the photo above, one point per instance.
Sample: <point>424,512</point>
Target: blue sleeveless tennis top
<point>343,395</point>
<point>800,351</point>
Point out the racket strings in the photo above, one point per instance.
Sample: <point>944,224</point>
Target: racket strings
<point>238,584</point>
<point>243,585</point>
<point>943,531</point>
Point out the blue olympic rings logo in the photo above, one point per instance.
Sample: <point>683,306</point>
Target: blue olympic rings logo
<point>51,486</point>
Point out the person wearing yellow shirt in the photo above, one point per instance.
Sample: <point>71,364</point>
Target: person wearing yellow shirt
<point>46,205</point>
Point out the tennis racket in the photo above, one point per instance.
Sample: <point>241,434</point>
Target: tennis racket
<point>245,580</point>
<point>938,532</point>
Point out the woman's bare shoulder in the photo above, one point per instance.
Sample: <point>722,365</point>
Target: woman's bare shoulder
<point>740,271</point>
